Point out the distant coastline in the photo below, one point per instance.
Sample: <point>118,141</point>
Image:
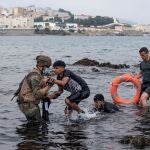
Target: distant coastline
<point>33,32</point>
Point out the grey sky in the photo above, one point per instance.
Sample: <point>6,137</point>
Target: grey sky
<point>132,10</point>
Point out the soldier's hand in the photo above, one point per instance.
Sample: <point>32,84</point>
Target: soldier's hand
<point>54,95</point>
<point>43,82</point>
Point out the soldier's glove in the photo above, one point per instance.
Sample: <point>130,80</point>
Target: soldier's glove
<point>51,81</point>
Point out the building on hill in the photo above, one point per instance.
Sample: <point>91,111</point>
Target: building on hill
<point>143,28</point>
<point>16,22</point>
<point>81,16</point>
<point>49,25</point>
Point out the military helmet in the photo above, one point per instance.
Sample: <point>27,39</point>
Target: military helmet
<point>43,60</point>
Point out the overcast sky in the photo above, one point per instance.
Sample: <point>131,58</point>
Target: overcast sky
<point>133,10</point>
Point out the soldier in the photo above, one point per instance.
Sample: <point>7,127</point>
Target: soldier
<point>32,91</point>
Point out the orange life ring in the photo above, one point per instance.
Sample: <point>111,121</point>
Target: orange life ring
<point>125,78</point>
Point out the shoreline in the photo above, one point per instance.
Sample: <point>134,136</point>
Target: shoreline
<point>31,32</point>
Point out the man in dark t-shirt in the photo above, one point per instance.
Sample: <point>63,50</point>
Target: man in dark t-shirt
<point>69,81</point>
<point>145,73</point>
<point>102,106</point>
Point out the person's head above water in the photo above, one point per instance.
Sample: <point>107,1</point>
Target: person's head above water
<point>99,101</point>
<point>98,97</point>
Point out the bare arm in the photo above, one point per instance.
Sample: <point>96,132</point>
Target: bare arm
<point>139,75</point>
<point>62,82</point>
<point>56,94</point>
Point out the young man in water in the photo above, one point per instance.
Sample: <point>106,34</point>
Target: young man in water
<point>102,106</point>
<point>145,73</point>
<point>69,81</point>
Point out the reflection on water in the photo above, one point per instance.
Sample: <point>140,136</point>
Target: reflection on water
<point>144,122</point>
<point>37,137</point>
<point>141,140</point>
<point>32,136</point>
<point>18,57</point>
<point>73,137</point>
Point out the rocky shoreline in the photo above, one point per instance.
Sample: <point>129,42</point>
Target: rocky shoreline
<point>33,32</point>
<point>17,32</point>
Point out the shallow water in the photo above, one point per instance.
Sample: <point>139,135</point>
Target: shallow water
<point>18,57</point>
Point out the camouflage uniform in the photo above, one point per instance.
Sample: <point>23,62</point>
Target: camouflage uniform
<point>30,96</point>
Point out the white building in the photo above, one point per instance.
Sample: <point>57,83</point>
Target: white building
<point>143,28</point>
<point>18,11</point>
<point>23,22</point>
<point>48,18</point>
<point>81,17</point>
<point>73,26</point>
<point>63,15</point>
<point>16,22</point>
<point>5,22</point>
<point>30,8</point>
<point>43,25</point>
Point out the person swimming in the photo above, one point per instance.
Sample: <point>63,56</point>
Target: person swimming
<point>102,106</point>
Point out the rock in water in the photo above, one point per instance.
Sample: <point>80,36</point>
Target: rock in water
<point>138,141</point>
<point>87,62</point>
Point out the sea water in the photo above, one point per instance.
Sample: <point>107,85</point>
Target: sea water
<point>18,57</point>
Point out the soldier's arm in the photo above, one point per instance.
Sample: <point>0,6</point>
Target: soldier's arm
<point>38,91</point>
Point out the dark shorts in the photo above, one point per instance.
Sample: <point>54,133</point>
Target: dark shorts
<point>145,88</point>
<point>77,97</point>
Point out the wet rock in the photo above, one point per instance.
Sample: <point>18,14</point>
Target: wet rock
<point>67,56</point>
<point>138,141</point>
<point>137,65</point>
<point>88,62</point>
<point>115,66</point>
<point>95,70</point>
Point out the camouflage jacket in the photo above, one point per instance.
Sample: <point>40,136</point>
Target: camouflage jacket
<point>30,90</point>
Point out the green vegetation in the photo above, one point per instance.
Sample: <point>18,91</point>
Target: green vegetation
<point>57,19</point>
<point>97,21</point>
<point>91,21</point>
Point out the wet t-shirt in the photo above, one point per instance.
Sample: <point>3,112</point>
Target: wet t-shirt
<point>108,107</point>
<point>145,68</point>
<point>75,83</point>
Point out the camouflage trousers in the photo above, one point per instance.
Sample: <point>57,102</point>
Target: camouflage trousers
<point>31,111</point>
